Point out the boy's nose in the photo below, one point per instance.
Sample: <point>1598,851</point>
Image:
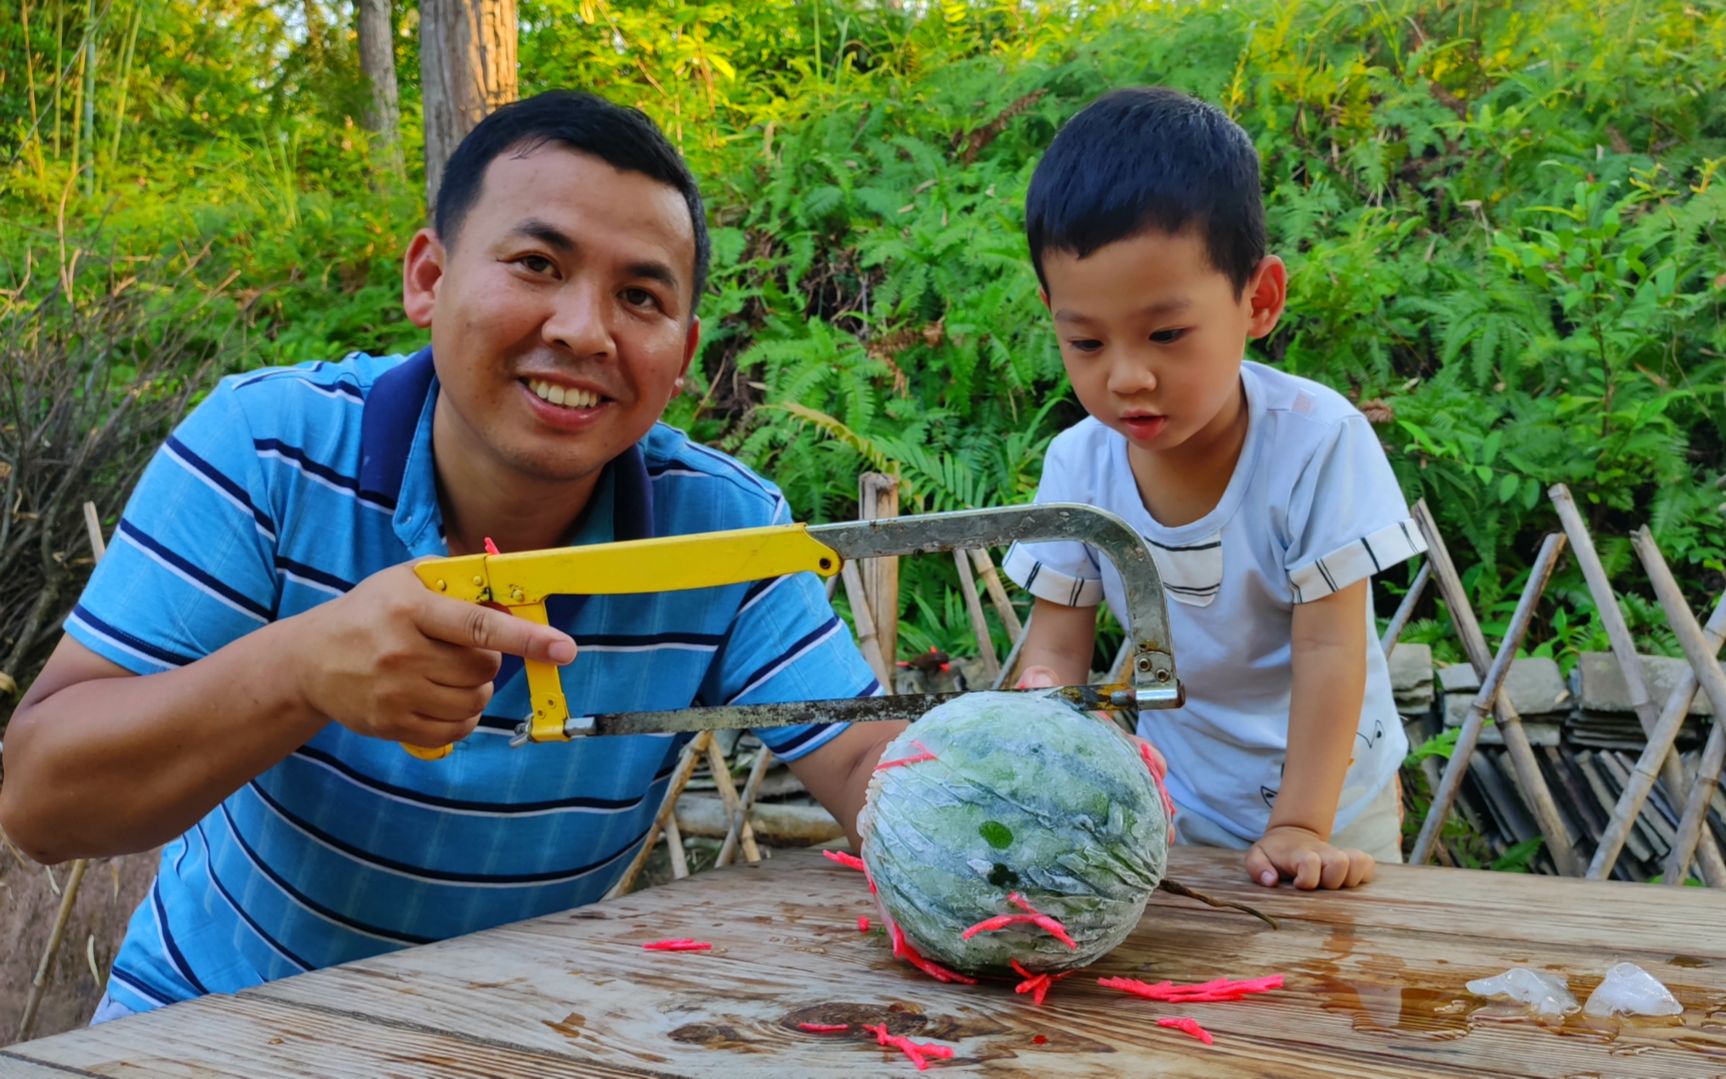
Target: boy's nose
<point>1131,375</point>
<point>578,321</point>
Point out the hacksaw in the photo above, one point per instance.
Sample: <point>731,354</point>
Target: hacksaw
<point>520,582</point>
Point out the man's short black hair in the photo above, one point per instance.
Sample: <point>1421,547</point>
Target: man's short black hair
<point>1148,159</point>
<point>622,137</point>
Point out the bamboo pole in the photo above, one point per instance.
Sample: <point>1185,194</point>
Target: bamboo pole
<point>34,138</point>
<point>782,824</point>
<point>721,769</point>
<point>867,641</point>
<point>1646,771</point>
<point>692,753</point>
<point>1010,665</point>
<point>1624,650</point>
<point>985,567</point>
<point>746,805</point>
<point>1528,775</point>
<point>674,847</point>
<point>878,497</point>
<point>1713,683</point>
<point>1558,842</point>
<point>1405,609</point>
<point>979,624</point>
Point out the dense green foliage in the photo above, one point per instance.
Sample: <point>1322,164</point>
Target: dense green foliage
<point>1504,223</point>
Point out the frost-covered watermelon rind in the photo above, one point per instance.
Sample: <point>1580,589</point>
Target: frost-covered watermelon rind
<point>1025,795</point>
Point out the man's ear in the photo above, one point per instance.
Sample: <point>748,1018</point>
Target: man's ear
<point>422,271</point>
<point>1267,291</point>
<point>690,344</point>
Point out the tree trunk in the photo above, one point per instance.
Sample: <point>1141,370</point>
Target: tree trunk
<point>378,62</point>
<point>467,69</point>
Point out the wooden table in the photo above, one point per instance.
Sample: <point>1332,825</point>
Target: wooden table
<point>1374,988</point>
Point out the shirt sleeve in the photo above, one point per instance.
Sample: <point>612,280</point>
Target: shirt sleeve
<point>786,644</point>
<point>191,565</point>
<point>1064,571</point>
<point>1347,517</point>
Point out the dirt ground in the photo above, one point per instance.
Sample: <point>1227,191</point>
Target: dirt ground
<point>30,897</point>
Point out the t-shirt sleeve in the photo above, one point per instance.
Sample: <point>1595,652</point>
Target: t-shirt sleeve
<point>786,644</point>
<point>1346,515</point>
<point>1065,571</point>
<point>191,565</point>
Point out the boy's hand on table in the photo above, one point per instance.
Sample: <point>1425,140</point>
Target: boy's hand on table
<point>1294,852</point>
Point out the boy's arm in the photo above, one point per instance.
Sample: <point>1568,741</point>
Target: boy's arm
<point>1329,683</point>
<point>1058,645</point>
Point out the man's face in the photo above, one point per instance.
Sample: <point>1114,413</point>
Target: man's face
<point>560,315</point>
<point>1152,335</point>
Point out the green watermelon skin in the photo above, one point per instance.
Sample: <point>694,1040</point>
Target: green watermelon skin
<point>1025,794</point>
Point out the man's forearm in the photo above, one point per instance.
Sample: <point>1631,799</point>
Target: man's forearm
<point>838,773</point>
<point>110,765</point>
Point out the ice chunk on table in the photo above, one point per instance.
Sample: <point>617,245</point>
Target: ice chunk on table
<point>1546,993</point>
<point>1630,990</point>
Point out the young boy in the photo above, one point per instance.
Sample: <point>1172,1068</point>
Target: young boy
<point>1266,498</point>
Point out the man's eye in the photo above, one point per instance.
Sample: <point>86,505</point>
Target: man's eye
<point>1168,337</point>
<point>536,264</point>
<point>640,297</point>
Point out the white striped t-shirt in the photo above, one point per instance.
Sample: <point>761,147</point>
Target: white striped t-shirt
<point>1311,508</point>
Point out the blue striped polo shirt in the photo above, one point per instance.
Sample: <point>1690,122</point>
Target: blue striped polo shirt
<point>285,488</point>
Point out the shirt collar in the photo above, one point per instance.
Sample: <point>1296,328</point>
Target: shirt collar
<point>396,462</point>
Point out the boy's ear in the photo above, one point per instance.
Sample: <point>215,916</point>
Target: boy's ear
<point>1043,294</point>
<point>422,271</point>
<point>1267,291</point>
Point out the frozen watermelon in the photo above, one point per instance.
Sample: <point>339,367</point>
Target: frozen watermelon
<point>995,808</point>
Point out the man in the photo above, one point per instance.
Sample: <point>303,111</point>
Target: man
<point>236,677</point>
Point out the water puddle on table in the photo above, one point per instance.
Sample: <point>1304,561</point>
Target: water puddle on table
<point>1383,997</point>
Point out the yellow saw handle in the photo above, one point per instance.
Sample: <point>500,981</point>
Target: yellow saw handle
<point>520,583</point>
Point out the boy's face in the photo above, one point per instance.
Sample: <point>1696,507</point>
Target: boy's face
<point>560,316</point>
<point>1152,336</point>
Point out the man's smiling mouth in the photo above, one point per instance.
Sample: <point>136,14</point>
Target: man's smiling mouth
<point>564,396</point>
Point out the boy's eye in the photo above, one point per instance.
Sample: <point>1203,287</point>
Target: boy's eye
<point>1168,337</point>
<point>1084,344</point>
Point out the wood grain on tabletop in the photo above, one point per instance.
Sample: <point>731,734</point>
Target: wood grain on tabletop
<point>1375,988</point>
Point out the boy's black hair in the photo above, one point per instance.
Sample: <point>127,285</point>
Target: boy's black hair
<point>1142,159</point>
<point>622,137</point>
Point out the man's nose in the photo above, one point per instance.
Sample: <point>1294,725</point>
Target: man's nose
<point>579,320</point>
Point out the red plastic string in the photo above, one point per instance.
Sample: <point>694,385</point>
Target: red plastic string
<point>682,945</point>
<point>849,861</point>
<point>824,1028</point>
<point>923,756</point>
<point>1156,777</point>
<point>904,949</point>
<point>1187,1026</point>
<point>1217,990</point>
<point>917,1052</point>
<point>862,923</point>
<point>1038,985</point>
<point>1043,921</point>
